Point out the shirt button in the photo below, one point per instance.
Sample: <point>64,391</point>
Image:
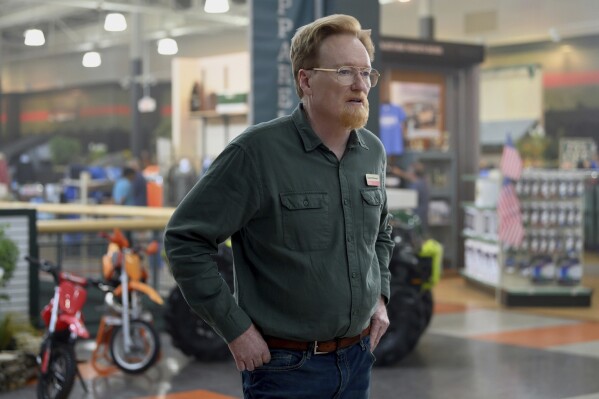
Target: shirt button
<point>354,275</point>
<point>306,203</point>
<point>348,239</point>
<point>345,202</point>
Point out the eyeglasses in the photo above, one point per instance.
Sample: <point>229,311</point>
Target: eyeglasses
<point>346,75</point>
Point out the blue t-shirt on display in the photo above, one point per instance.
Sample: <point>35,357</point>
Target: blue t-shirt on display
<point>391,120</point>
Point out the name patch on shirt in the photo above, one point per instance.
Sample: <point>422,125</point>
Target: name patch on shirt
<point>373,180</point>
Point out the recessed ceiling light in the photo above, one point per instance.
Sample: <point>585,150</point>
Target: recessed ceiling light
<point>167,46</point>
<point>216,6</point>
<point>92,59</point>
<point>34,37</point>
<point>115,22</point>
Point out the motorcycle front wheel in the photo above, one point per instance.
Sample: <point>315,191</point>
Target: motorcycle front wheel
<point>58,381</point>
<point>144,350</point>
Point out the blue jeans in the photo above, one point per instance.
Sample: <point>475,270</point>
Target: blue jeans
<point>344,374</point>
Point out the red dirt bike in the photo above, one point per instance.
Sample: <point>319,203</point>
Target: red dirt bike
<point>65,325</point>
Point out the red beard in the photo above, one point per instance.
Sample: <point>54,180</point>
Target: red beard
<point>355,117</point>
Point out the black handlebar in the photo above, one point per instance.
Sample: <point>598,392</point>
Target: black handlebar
<point>100,284</point>
<point>46,266</point>
<point>54,270</point>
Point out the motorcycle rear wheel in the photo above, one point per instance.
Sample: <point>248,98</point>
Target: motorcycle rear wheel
<point>145,347</point>
<point>62,369</point>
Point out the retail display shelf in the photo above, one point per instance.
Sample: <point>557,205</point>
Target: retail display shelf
<point>480,283</point>
<point>470,178</point>
<point>441,167</point>
<point>470,204</point>
<point>518,295</point>
<point>479,237</point>
<point>440,192</point>
<point>551,297</point>
<point>546,267</point>
<point>440,224</point>
<point>401,198</point>
<point>431,155</point>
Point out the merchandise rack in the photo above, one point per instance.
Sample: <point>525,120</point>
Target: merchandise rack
<point>553,220</point>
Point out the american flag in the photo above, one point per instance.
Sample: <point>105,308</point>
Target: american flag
<point>511,230</point>
<point>511,163</point>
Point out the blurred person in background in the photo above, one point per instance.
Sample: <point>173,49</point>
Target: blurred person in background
<point>140,185</point>
<point>122,191</point>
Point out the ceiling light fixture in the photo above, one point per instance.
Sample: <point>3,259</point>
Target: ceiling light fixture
<point>167,46</point>
<point>34,37</point>
<point>216,6</point>
<point>115,22</point>
<point>92,59</point>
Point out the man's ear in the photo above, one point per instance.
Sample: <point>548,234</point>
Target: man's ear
<point>304,81</point>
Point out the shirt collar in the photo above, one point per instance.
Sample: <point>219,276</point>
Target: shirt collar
<point>311,140</point>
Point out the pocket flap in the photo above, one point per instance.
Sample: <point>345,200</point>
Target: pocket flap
<point>372,197</point>
<point>295,201</point>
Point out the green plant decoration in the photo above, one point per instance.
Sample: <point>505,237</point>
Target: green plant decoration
<point>9,253</point>
<point>11,325</point>
<point>7,331</point>
<point>64,150</point>
<point>534,149</point>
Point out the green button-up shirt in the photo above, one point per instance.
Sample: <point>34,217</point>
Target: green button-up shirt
<point>310,233</point>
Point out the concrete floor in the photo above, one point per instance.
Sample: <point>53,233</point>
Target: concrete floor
<point>468,352</point>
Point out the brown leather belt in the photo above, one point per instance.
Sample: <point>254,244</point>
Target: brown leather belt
<point>319,347</point>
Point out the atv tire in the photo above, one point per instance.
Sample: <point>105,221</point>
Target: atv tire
<point>189,333</point>
<point>409,316</point>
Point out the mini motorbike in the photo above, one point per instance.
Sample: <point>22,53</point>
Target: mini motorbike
<point>126,336</point>
<point>65,325</point>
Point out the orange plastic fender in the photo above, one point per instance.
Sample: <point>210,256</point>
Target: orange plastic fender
<point>146,289</point>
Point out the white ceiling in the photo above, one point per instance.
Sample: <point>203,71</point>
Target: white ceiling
<point>75,25</point>
<point>501,22</point>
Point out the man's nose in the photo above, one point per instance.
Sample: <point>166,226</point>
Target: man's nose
<point>360,83</point>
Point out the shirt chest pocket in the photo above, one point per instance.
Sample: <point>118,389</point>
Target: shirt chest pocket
<point>372,200</point>
<point>305,217</point>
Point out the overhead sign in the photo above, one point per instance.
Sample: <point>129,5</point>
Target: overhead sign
<point>411,51</point>
<point>273,24</point>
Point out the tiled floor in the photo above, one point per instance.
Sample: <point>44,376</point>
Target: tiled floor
<point>473,349</point>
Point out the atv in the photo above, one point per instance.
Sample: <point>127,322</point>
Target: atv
<point>415,267</point>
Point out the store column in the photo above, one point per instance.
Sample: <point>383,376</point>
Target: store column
<point>2,114</point>
<point>427,21</point>
<point>272,25</point>
<point>136,75</point>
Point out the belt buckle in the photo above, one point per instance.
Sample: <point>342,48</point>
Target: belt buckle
<point>316,351</point>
